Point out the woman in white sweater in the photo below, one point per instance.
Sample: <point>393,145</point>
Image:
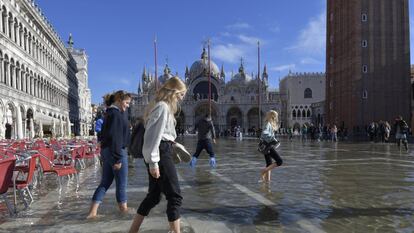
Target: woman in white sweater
<point>157,150</point>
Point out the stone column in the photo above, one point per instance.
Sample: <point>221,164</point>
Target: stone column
<point>8,80</point>
<point>32,132</point>
<point>13,75</point>
<point>19,123</point>
<point>2,77</point>
<point>40,129</point>
<point>12,29</point>
<point>6,24</point>
<point>18,81</point>
<point>1,20</point>
<point>69,129</point>
<point>17,33</point>
<point>61,134</point>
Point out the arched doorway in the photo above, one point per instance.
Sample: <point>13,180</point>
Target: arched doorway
<point>180,126</point>
<point>253,118</point>
<point>202,110</point>
<point>296,128</point>
<point>200,91</point>
<point>29,123</point>
<point>10,122</point>
<point>234,118</point>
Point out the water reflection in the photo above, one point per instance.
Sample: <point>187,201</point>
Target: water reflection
<point>322,186</point>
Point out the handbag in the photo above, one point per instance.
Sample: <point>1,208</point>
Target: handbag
<point>180,154</point>
<point>264,147</point>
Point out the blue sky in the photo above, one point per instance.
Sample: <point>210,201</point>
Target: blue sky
<point>118,38</point>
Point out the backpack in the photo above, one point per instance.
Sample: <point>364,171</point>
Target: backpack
<point>137,140</point>
<point>404,127</point>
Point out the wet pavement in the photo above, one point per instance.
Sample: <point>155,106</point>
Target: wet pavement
<point>321,187</point>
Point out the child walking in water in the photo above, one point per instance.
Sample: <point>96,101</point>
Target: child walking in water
<point>268,135</point>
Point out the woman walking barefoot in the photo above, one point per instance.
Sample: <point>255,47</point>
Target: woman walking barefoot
<point>157,150</point>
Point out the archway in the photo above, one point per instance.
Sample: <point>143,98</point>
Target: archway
<point>253,118</point>
<point>234,118</point>
<point>30,123</point>
<point>202,110</point>
<point>10,122</point>
<point>296,128</point>
<point>200,91</point>
<point>180,126</point>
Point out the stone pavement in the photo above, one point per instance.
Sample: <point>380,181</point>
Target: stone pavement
<point>321,187</point>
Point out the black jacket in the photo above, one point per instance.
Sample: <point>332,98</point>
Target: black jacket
<point>205,129</point>
<point>115,132</point>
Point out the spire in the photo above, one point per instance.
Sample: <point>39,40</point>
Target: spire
<point>241,69</point>
<point>70,41</point>
<point>265,76</point>
<point>222,74</point>
<point>187,73</point>
<point>204,54</point>
<point>139,88</point>
<point>144,76</point>
<point>167,69</point>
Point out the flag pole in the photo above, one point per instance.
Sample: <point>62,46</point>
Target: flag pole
<point>156,66</point>
<point>209,77</point>
<point>259,84</point>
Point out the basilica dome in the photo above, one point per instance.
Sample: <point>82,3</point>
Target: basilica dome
<point>241,77</point>
<point>200,67</point>
<point>167,74</point>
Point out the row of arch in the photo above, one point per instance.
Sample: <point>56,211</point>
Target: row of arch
<point>18,121</point>
<point>19,76</point>
<point>32,41</point>
<point>234,117</point>
<point>298,113</point>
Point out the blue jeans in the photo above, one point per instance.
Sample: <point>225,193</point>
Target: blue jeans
<point>108,175</point>
<point>204,144</point>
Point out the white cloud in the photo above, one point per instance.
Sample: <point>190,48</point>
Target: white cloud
<point>239,46</point>
<point>239,25</point>
<point>283,67</point>
<point>275,29</point>
<point>251,40</point>
<point>310,61</point>
<point>124,81</point>
<point>228,52</point>
<point>311,39</point>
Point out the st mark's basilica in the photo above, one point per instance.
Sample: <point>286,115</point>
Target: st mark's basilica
<point>234,103</point>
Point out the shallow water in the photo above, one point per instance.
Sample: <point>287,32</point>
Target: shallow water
<point>321,187</point>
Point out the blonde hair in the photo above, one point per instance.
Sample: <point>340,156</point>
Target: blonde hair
<point>273,118</point>
<point>167,93</point>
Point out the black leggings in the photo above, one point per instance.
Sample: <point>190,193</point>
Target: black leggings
<point>167,183</point>
<point>273,154</point>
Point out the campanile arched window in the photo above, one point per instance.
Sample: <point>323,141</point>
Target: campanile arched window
<point>308,93</point>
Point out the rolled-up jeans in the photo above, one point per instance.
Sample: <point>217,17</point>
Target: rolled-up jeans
<point>108,175</point>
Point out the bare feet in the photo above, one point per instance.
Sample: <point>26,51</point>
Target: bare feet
<point>123,207</point>
<point>93,210</point>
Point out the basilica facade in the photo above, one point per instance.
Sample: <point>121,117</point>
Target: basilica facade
<point>43,84</point>
<point>233,103</point>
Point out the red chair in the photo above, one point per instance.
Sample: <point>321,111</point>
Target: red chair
<point>23,185</point>
<point>6,174</point>
<point>46,156</point>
